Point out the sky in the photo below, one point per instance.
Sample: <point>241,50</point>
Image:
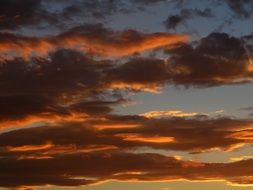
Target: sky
<point>126,94</point>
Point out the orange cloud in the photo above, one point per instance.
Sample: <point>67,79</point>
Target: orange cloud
<point>169,113</point>
<point>29,147</point>
<point>41,118</point>
<point>152,139</point>
<point>92,39</point>
<point>153,88</point>
<point>127,132</point>
<point>75,169</point>
<point>103,126</point>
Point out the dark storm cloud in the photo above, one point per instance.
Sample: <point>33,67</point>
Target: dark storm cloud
<point>175,20</point>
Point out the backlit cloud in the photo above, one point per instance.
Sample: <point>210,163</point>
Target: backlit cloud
<point>68,68</point>
<point>81,169</point>
<point>89,38</point>
<point>179,134</point>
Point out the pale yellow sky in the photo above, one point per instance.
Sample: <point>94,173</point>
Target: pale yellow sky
<point>178,185</point>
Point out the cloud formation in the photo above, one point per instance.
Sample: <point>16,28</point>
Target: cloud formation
<point>89,38</point>
<point>216,59</point>
<point>185,14</point>
<point>82,169</point>
<point>16,13</point>
<point>135,132</point>
<point>242,8</point>
<point>89,153</point>
<point>68,82</point>
<point>58,122</point>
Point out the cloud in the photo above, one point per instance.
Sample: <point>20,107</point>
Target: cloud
<point>173,21</point>
<point>28,13</point>
<point>15,13</point>
<point>89,38</point>
<point>190,134</point>
<point>135,132</point>
<point>169,113</point>
<point>58,95</point>
<point>217,59</point>
<point>81,169</point>
<point>180,113</point>
<point>69,82</point>
<point>59,14</point>
<point>131,74</point>
<point>242,8</point>
<point>241,158</point>
<point>75,94</point>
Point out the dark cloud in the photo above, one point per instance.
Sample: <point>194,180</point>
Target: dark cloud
<point>61,13</point>
<point>242,8</point>
<point>15,13</point>
<point>56,13</point>
<point>136,132</point>
<point>140,74</point>
<point>216,59</point>
<point>175,20</point>
<point>76,154</point>
<point>61,90</point>
<point>83,169</point>
<point>68,81</point>
<point>65,82</point>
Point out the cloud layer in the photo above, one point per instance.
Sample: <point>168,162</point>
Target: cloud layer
<point>80,169</point>
<point>60,93</point>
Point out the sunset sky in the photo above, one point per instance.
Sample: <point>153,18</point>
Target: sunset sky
<point>126,94</point>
